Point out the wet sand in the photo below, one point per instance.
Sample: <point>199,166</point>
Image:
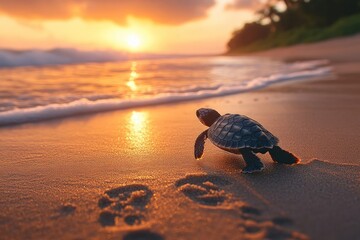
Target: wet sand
<point>131,173</point>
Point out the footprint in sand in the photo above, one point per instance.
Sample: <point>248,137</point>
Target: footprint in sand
<point>258,227</point>
<point>124,205</point>
<point>204,189</point>
<point>142,235</point>
<point>248,212</point>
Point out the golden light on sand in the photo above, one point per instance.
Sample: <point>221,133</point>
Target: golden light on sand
<point>137,120</point>
<point>138,131</point>
<point>134,41</point>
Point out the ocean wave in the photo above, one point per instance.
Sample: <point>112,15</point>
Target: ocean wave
<point>310,64</point>
<point>194,88</point>
<point>14,58</point>
<point>85,106</point>
<point>62,56</point>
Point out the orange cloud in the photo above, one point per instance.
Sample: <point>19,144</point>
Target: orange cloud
<point>160,11</point>
<point>244,4</point>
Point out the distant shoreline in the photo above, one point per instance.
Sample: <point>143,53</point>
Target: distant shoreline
<point>337,50</point>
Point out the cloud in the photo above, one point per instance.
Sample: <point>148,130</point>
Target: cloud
<point>160,11</point>
<point>244,5</point>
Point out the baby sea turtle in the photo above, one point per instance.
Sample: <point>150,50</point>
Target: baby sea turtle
<point>240,134</point>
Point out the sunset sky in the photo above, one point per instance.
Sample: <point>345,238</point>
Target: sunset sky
<point>156,26</point>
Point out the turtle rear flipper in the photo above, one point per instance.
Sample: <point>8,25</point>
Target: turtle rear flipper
<point>253,163</point>
<point>281,156</point>
<point>199,145</point>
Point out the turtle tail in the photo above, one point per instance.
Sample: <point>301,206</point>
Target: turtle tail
<point>281,156</point>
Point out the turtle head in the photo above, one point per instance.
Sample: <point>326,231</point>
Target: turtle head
<point>207,116</point>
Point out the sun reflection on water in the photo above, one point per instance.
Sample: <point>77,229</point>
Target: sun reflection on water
<point>133,75</point>
<point>138,131</point>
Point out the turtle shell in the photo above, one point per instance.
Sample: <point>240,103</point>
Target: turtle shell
<point>234,131</point>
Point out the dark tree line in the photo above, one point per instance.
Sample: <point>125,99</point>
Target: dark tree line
<point>297,14</point>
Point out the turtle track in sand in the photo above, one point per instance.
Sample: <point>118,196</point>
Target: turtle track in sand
<point>124,205</point>
<point>207,190</point>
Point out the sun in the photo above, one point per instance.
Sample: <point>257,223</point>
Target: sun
<point>133,41</point>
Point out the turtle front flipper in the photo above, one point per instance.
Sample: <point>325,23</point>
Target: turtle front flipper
<point>199,145</point>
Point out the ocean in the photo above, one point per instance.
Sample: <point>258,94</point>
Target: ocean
<point>36,92</point>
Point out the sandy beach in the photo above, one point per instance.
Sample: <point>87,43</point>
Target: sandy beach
<point>131,174</point>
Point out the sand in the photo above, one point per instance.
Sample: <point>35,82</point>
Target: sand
<point>131,174</point>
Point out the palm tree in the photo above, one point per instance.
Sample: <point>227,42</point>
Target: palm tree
<point>271,14</point>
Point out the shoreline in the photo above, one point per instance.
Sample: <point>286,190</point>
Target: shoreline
<point>84,106</point>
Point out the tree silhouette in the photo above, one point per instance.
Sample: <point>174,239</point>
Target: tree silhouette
<point>298,14</point>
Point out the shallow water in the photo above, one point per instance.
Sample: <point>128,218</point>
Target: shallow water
<point>38,93</point>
